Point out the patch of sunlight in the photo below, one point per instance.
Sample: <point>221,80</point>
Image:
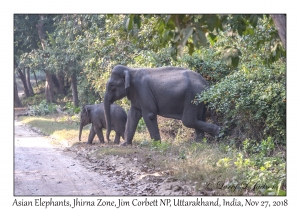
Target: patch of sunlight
<point>144,175</point>
<point>31,141</point>
<point>65,134</point>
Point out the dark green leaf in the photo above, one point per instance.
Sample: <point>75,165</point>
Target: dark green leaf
<point>186,33</point>
<point>211,22</point>
<point>196,40</point>
<point>176,38</point>
<point>137,20</point>
<point>235,61</point>
<point>201,37</point>
<point>212,38</point>
<point>167,18</point>
<point>128,22</point>
<point>282,193</point>
<point>171,24</point>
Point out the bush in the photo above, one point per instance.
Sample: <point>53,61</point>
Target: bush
<point>33,100</point>
<point>208,63</point>
<point>72,109</point>
<point>43,108</point>
<point>258,167</point>
<point>251,101</point>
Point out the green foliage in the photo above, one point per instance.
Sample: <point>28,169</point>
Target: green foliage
<point>195,31</point>
<point>265,148</point>
<point>33,100</point>
<point>161,147</point>
<point>261,170</point>
<point>72,109</point>
<point>153,59</point>
<point>232,56</point>
<point>252,100</point>
<point>206,62</point>
<point>43,108</point>
<point>141,127</point>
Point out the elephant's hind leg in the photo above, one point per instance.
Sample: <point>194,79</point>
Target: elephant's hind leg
<point>189,119</point>
<point>100,134</point>
<point>199,135</point>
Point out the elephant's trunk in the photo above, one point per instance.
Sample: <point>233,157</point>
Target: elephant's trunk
<point>80,130</point>
<point>107,103</point>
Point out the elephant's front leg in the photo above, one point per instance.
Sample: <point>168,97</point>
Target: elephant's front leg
<point>91,135</point>
<point>134,115</point>
<point>117,139</point>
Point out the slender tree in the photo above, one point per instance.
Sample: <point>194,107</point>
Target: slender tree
<point>21,74</point>
<point>17,101</point>
<point>49,94</point>
<point>30,89</point>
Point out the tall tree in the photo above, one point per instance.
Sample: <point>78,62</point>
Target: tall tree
<point>280,23</point>
<point>49,94</point>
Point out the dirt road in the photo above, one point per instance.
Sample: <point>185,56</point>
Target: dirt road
<point>41,169</point>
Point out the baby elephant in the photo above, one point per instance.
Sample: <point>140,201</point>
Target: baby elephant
<point>95,114</point>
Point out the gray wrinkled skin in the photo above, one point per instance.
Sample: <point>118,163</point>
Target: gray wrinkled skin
<point>95,114</point>
<point>166,91</point>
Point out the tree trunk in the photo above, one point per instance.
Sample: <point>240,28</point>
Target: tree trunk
<point>60,78</point>
<point>17,101</point>
<point>55,83</point>
<point>49,88</point>
<point>23,79</point>
<point>49,85</point>
<point>31,93</point>
<point>74,89</point>
<point>67,85</point>
<point>41,30</point>
<point>280,23</point>
<point>37,85</point>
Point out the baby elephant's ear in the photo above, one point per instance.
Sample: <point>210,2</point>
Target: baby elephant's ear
<point>84,108</point>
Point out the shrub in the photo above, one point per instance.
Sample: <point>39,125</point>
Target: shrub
<point>43,108</point>
<point>72,109</point>
<point>208,63</point>
<point>251,101</point>
<point>257,167</point>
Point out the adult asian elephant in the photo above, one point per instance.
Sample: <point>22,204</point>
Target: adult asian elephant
<point>95,114</point>
<point>166,91</point>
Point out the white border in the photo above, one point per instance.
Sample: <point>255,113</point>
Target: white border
<point>153,6</point>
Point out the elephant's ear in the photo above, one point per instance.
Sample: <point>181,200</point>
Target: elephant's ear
<point>127,79</point>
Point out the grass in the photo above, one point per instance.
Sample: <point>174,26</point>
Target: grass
<point>218,167</point>
<point>59,127</point>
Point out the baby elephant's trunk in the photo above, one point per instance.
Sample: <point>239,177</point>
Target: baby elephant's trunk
<point>80,130</point>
